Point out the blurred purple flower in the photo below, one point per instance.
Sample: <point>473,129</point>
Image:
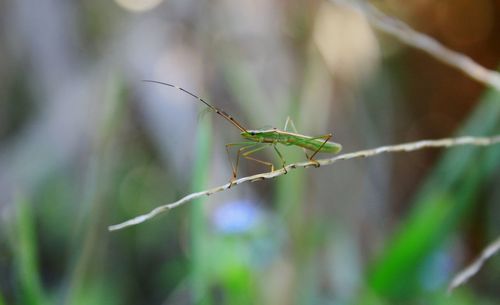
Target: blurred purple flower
<point>237,217</point>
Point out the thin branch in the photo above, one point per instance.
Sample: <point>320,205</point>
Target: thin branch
<point>406,147</point>
<point>464,275</point>
<point>406,34</point>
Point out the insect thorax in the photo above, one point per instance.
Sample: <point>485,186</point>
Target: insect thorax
<point>270,135</point>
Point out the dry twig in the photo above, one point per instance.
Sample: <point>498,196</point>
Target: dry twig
<point>406,34</point>
<point>464,275</point>
<point>406,147</point>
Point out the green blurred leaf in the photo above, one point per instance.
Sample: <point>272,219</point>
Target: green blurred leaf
<point>199,279</point>
<point>26,256</point>
<point>449,192</point>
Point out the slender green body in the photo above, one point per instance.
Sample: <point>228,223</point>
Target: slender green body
<point>272,137</point>
<point>275,136</point>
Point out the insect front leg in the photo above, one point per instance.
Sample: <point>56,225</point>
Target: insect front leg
<point>234,168</point>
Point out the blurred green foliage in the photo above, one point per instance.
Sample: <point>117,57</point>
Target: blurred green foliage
<point>298,239</point>
<point>147,264</point>
<point>446,198</point>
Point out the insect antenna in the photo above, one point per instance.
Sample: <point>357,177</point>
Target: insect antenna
<point>219,111</point>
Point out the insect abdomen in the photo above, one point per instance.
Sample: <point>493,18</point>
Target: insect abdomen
<point>315,144</point>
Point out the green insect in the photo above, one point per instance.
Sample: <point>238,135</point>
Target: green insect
<point>257,140</point>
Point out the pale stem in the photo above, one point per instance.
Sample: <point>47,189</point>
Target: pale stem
<point>431,46</point>
<point>406,147</point>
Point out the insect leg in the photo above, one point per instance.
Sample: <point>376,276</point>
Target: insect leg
<point>283,162</point>
<point>246,156</point>
<point>289,120</point>
<point>286,122</point>
<point>244,145</point>
<point>326,137</point>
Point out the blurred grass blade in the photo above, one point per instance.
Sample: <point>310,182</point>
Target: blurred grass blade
<point>448,193</point>
<point>88,239</point>
<point>199,279</point>
<point>25,245</point>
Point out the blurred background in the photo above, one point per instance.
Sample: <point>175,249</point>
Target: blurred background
<point>84,144</point>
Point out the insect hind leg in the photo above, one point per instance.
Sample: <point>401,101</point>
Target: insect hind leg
<point>327,137</point>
